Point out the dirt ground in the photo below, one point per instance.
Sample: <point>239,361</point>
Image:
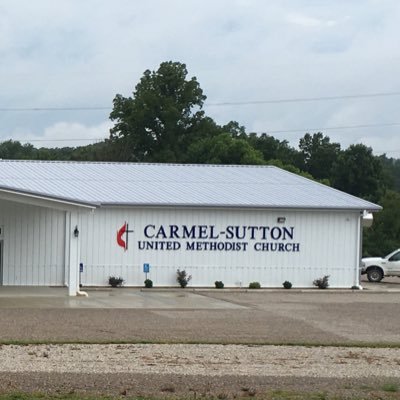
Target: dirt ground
<point>182,386</point>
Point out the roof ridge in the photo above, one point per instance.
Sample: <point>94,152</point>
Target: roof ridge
<point>137,163</point>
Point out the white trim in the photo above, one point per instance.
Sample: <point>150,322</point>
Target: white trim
<point>359,251</point>
<point>74,255</point>
<point>43,201</point>
<point>66,247</point>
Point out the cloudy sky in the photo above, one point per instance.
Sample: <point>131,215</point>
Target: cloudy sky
<point>71,53</point>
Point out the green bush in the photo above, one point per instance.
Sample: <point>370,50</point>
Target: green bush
<point>115,281</point>
<point>219,284</point>
<point>254,285</point>
<point>148,283</point>
<point>183,278</point>
<point>287,285</point>
<point>322,283</point>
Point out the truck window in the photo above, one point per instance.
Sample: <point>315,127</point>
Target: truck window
<point>395,257</point>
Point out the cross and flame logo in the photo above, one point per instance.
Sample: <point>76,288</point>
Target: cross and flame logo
<point>123,231</point>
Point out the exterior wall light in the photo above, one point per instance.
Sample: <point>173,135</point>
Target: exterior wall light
<point>76,231</point>
<point>281,220</point>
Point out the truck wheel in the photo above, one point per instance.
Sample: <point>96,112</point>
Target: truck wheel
<point>375,275</point>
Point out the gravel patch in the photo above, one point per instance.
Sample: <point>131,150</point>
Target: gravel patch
<point>203,360</point>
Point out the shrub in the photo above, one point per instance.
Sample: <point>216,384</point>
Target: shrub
<point>183,278</point>
<point>115,281</point>
<point>219,284</point>
<point>254,285</point>
<point>148,283</point>
<point>355,287</point>
<point>287,285</point>
<point>322,283</point>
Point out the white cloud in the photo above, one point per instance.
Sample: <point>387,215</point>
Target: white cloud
<point>73,53</point>
<point>65,134</point>
<point>310,22</point>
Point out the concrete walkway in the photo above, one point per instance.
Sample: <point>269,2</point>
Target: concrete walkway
<point>105,298</point>
<point>158,298</point>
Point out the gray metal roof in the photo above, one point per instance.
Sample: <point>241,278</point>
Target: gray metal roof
<point>102,183</point>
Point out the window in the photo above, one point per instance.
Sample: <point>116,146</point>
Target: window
<point>395,257</point>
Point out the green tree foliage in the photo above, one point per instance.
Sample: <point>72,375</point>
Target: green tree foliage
<point>391,167</point>
<point>358,172</point>
<point>14,150</point>
<point>384,235</point>
<point>236,130</point>
<point>101,151</point>
<point>162,117</point>
<point>274,149</point>
<point>224,149</point>
<point>294,170</point>
<point>318,155</point>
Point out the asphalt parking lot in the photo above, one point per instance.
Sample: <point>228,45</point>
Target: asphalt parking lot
<point>370,316</point>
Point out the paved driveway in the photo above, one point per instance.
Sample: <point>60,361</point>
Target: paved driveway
<point>280,316</point>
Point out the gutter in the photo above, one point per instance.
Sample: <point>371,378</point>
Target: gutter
<point>241,206</point>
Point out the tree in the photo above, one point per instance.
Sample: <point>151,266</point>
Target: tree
<point>358,172</point>
<point>391,167</point>
<point>224,149</point>
<point>319,154</point>
<point>14,150</point>
<point>274,149</point>
<point>294,170</point>
<point>383,237</point>
<point>236,130</point>
<point>162,117</point>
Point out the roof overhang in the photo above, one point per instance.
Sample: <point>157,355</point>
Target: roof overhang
<point>42,200</point>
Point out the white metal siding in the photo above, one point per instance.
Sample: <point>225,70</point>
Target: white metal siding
<point>328,246</point>
<point>33,247</point>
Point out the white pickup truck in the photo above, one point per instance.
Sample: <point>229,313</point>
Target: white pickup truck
<point>377,268</point>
